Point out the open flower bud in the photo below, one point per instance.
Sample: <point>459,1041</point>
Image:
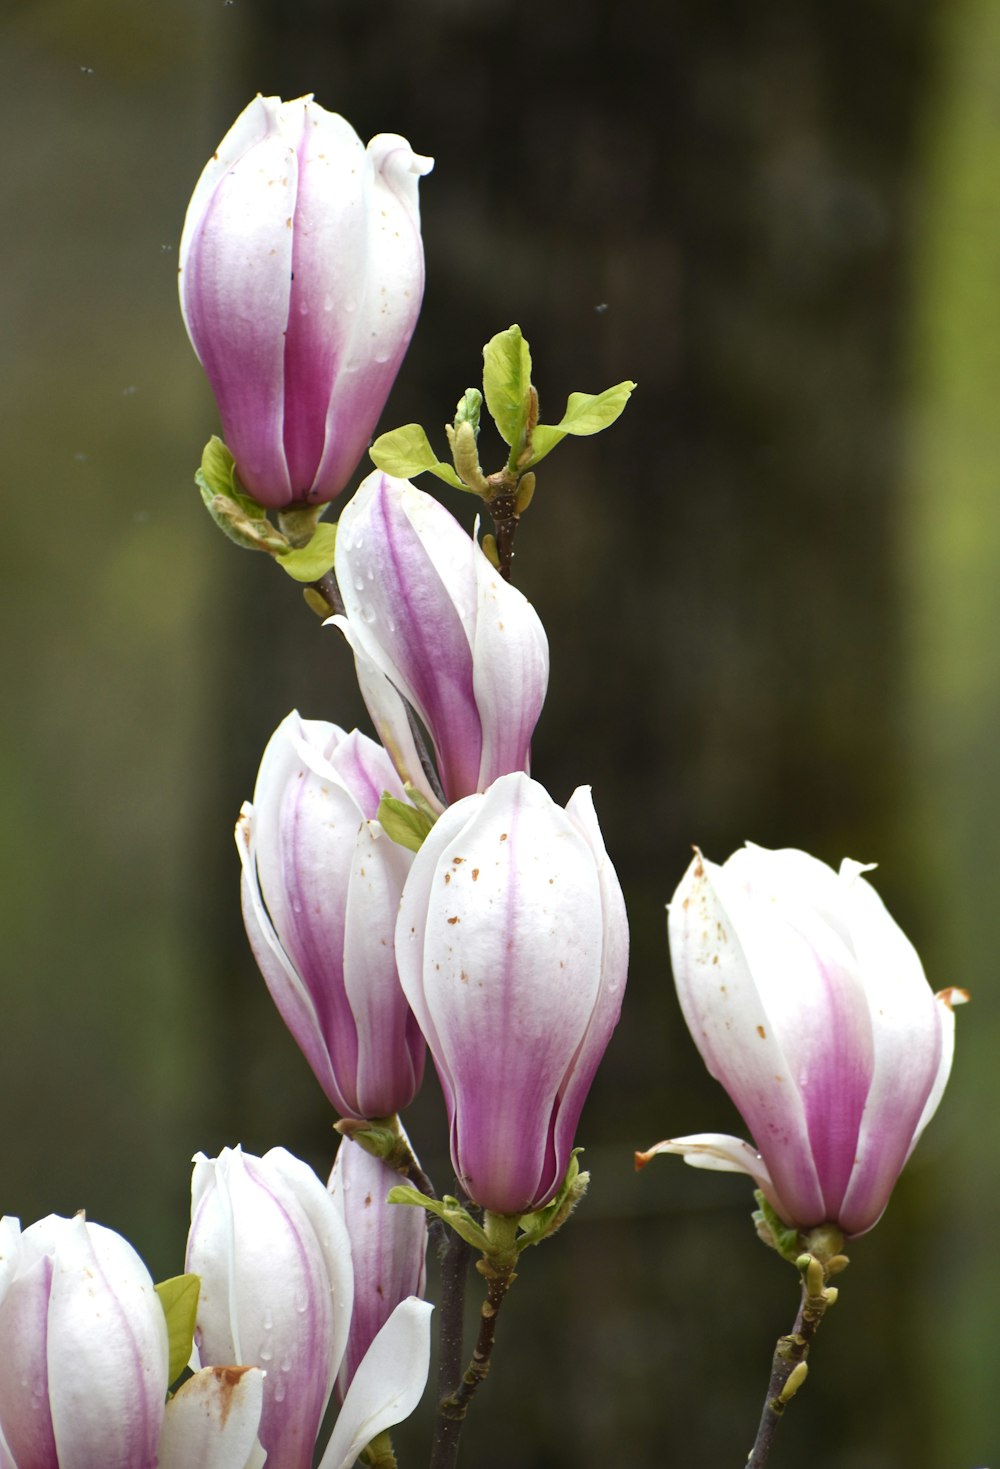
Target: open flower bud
<point>83,1368</point>
<point>432,621</point>
<point>388,1248</point>
<point>810,1006</point>
<point>512,945</point>
<point>301,275</point>
<point>321,888</point>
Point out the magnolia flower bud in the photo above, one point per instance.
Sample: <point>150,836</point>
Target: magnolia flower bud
<point>810,1006</point>
<point>512,944</point>
<point>430,619</point>
<point>277,1285</point>
<point>321,888</point>
<point>83,1370</point>
<point>388,1248</point>
<point>301,274</point>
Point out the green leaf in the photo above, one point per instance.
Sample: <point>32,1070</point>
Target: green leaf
<point>217,476</point>
<point>311,562</point>
<point>449,1211</point>
<point>235,513</point>
<point>507,383</point>
<point>404,824</point>
<point>420,801</point>
<point>586,413</point>
<point>179,1299</point>
<point>469,408</point>
<point>404,452</point>
<point>544,1222</point>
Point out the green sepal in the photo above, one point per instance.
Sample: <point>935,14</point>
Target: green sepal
<point>404,452</point>
<point>449,1211</point>
<point>312,561</point>
<point>234,512</point>
<point>586,413</point>
<point>179,1299</point>
<point>404,824</point>
<point>545,1222</point>
<point>507,385</point>
<point>779,1236</point>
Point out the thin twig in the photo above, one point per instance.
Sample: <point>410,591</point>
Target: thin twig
<point>454,1255</point>
<point>789,1366</point>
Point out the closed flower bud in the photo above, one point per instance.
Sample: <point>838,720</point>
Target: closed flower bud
<point>277,1285</point>
<point>83,1369</point>
<point>321,888</point>
<point>512,945</point>
<point>301,275</point>
<point>431,621</point>
<point>388,1248</point>
<point>810,1006</point>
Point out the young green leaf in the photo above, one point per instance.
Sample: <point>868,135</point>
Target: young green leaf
<point>311,562</point>
<point>404,452</point>
<point>469,408</point>
<point>179,1299</point>
<point>586,413</point>
<point>507,383</point>
<point>404,824</point>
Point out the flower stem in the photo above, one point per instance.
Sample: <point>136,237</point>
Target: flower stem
<point>789,1366</point>
<point>499,1275</point>
<point>454,1255</point>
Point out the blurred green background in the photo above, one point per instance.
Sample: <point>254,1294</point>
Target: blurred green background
<point>771,595</point>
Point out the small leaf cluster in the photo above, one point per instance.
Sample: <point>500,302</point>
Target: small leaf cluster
<point>512,402</point>
<point>502,1235</point>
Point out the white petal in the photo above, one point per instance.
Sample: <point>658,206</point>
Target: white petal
<point>714,1150</point>
<point>387,1386</point>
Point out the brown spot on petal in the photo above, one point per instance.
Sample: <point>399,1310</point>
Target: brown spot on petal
<point>475,873</point>
<point>761,1033</point>
<point>953,996</point>
<point>454,920</point>
<point>229,1378</point>
<point>503,836</point>
<point>447,877</point>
